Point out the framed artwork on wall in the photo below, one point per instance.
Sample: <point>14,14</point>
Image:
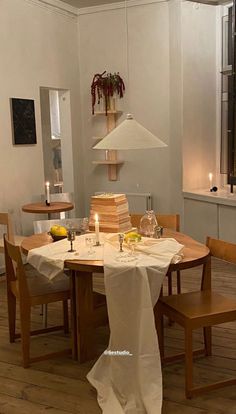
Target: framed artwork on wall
<point>23,121</point>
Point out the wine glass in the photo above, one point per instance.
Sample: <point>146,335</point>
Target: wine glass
<point>132,242</point>
<point>84,225</point>
<point>71,237</point>
<point>89,241</point>
<point>124,256</point>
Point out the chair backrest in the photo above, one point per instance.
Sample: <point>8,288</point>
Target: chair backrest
<point>5,220</point>
<point>222,250</point>
<point>170,221</point>
<point>15,273</point>
<point>79,224</point>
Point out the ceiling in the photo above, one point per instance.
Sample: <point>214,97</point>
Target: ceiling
<point>88,3</point>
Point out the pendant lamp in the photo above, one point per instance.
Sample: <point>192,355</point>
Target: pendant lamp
<point>129,134</point>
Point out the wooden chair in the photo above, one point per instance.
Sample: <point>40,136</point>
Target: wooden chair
<point>41,226</point>
<point>169,221</point>
<point>30,289</point>
<point>5,220</point>
<point>201,309</point>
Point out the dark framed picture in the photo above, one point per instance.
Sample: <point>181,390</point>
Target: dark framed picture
<point>23,121</point>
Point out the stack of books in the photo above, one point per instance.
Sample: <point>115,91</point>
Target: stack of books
<point>112,211</point>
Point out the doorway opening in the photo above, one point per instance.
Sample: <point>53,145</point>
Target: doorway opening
<point>57,139</point>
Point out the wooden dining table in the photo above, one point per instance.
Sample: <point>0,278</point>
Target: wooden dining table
<point>82,306</point>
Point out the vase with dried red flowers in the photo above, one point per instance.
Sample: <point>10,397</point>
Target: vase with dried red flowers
<point>106,86</point>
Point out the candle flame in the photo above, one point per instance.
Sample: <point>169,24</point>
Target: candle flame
<point>47,184</point>
<point>210,176</point>
<point>96,217</point>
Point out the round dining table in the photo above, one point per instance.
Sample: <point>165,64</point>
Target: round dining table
<point>82,305</point>
<point>42,208</point>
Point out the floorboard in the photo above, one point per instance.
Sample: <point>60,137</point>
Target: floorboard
<point>60,385</point>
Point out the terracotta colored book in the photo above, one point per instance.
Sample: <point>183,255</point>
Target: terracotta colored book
<point>113,213</point>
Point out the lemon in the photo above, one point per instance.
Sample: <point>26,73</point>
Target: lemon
<point>132,235</point>
<point>58,230</point>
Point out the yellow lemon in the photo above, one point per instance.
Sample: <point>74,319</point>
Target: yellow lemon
<point>58,230</point>
<point>132,235</point>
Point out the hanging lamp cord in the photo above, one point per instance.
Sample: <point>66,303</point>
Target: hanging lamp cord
<point>127,52</point>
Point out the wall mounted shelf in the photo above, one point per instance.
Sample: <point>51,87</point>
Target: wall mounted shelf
<point>110,155</point>
<point>108,162</point>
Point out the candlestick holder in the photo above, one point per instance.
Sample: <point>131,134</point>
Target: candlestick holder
<point>71,237</point>
<point>97,243</point>
<point>47,203</point>
<point>121,240</point>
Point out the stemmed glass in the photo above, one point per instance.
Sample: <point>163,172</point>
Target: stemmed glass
<point>89,240</point>
<point>124,256</point>
<point>71,237</point>
<point>132,242</point>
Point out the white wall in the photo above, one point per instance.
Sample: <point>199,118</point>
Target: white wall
<point>172,91</point>
<point>103,47</point>
<point>199,93</point>
<point>38,47</point>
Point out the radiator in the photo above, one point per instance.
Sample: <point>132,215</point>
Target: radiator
<point>138,202</point>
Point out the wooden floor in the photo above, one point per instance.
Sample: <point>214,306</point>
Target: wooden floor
<point>60,385</point>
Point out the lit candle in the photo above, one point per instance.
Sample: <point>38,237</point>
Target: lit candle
<point>47,192</point>
<point>96,229</point>
<point>210,179</point>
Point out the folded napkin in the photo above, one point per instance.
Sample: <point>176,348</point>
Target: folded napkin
<point>148,251</point>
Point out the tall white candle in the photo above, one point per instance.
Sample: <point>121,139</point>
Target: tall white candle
<point>48,192</point>
<point>210,179</point>
<point>96,229</point>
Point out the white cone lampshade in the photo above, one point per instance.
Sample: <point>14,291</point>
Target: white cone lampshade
<point>129,135</point>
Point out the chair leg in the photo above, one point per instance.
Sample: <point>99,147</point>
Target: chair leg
<point>25,333</point>
<point>178,282</point>
<point>170,291</point>
<point>188,362</point>
<point>45,315</point>
<point>11,303</point>
<point>65,316</point>
<point>207,332</point>
<point>169,275</point>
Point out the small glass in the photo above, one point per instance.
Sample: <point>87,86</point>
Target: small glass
<point>90,241</point>
<point>125,257</point>
<point>71,237</point>
<point>84,225</point>
<point>132,242</point>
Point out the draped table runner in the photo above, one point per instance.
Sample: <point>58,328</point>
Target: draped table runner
<point>127,375</point>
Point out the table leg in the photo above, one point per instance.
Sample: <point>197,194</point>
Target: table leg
<point>84,316</point>
<point>73,316</point>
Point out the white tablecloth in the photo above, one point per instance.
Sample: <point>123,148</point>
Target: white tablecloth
<point>132,384</point>
<point>49,260</point>
<point>128,375</point>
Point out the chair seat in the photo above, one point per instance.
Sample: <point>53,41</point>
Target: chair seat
<point>40,285</point>
<point>194,305</point>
